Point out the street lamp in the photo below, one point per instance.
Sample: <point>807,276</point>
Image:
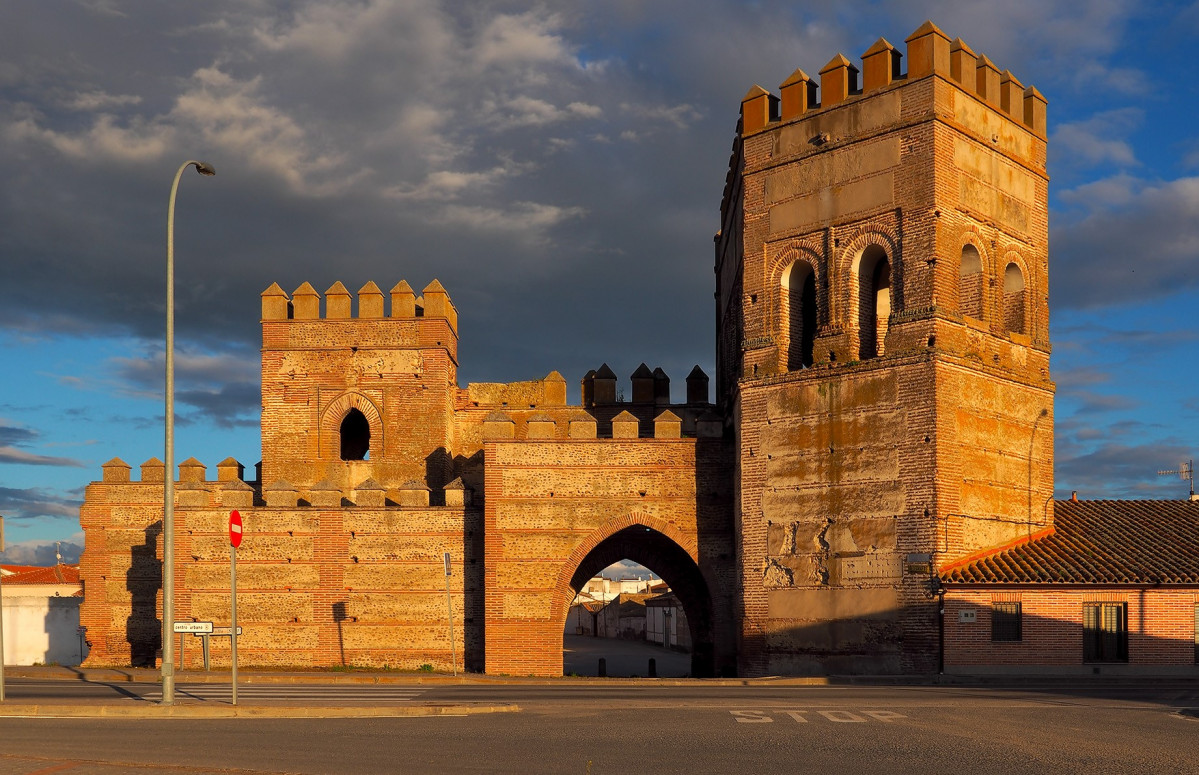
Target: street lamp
<point>168,498</point>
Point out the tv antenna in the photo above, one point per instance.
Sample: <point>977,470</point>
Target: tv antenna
<point>1186,471</point>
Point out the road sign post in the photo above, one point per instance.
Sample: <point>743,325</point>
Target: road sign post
<point>235,532</point>
<point>449,604</point>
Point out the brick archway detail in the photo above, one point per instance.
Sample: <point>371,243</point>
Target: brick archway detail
<point>562,588</point>
<point>335,412</point>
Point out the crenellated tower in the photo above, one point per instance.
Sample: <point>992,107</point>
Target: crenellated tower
<point>883,343</point>
<point>357,394</point>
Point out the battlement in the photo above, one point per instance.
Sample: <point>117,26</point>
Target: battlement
<point>305,303</point>
<point>598,387</point>
<point>929,52</point>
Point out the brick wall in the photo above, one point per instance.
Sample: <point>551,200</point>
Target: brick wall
<point>1161,630</point>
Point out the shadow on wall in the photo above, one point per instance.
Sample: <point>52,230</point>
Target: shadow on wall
<point>42,630</point>
<point>904,640</point>
<point>143,628</point>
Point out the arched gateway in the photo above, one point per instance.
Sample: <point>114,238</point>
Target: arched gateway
<point>549,527</point>
<point>662,553</point>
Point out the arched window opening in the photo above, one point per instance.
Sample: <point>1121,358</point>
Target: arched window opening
<point>874,301</point>
<point>355,436</point>
<point>1013,299</point>
<point>798,315</point>
<point>970,283</point>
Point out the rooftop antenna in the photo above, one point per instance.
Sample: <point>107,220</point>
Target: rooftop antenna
<point>58,552</point>
<point>1184,471</point>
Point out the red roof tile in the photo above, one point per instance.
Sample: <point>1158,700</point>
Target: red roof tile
<point>55,574</point>
<point>1099,542</point>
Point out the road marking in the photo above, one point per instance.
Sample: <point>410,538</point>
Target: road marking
<point>801,716</point>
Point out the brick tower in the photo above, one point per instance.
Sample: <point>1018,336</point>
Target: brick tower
<point>349,398</point>
<point>883,347</point>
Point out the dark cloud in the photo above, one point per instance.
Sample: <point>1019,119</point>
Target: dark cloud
<point>234,404</point>
<point>1138,241</point>
<point>11,434</point>
<point>41,553</point>
<point>552,166</point>
<point>36,503</point>
<point>1117,470</point>
<point>22,457</point>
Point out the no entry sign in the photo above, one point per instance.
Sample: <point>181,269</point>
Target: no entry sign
<point>234,529</point>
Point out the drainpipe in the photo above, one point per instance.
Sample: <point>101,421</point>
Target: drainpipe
<point>941,631</point>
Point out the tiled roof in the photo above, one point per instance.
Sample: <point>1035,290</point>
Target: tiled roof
<point>30,574</point>
<point>1099,542</point>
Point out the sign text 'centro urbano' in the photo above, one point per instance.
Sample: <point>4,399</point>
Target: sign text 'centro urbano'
<point>198,628</point>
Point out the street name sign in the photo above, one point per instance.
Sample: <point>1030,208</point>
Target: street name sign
<point>197,628</point>
<point>224,631</point>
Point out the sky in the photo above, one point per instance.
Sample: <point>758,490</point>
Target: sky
<point>557,166</point>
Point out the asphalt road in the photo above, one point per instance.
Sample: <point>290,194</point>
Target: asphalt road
<point>658,729</point>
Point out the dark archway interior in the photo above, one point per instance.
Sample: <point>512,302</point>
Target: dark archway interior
<point>666,558</point>
<point>355,436</point>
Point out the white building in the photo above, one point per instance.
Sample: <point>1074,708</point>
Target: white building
<point>41,615</point>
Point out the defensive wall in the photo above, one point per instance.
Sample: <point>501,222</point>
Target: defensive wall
<point>346,525</point>
<point>883,406</point>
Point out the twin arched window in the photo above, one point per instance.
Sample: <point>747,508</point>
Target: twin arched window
<point>874,301</point>
<point>1013,299</point>
<point>798,314</point>
<point>970,283</point>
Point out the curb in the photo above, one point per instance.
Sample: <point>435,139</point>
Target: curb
<point>154,710</point>
<point>103,675</point>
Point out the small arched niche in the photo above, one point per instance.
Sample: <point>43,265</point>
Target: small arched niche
<point>1013,299</point>
<point>355,434</point>
<point>874,301</point>
<point>970,283</point>
<point>797,314</point>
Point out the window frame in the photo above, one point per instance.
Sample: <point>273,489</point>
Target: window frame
<point>1105,633</point>
<point>1009,615</point>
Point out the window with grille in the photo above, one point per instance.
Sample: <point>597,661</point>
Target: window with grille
<point>1005,622</point>
<point>1105,632</point>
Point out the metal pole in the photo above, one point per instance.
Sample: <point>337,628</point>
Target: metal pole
<point>449,604</point>
<point>168,494</point>
<point>233,616</point>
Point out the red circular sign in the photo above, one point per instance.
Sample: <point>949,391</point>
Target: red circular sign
<point>234,529</point>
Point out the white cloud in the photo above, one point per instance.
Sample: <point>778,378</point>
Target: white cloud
<point>104,140</point>
<point>95,100</point>
<point>1100,139</point>
<point>679,116</point>
<point>520,39</point>
<point>521,218</point>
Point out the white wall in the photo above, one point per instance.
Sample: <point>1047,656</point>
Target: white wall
<point>41,630</point>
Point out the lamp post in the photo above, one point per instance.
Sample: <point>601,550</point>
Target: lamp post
<point>168,505</point>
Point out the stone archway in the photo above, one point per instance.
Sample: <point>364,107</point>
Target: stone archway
<point>666,557</point>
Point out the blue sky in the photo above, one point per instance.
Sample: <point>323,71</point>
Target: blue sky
<point>558,166</point>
